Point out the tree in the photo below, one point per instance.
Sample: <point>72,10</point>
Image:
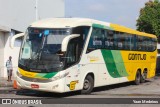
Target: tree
<point>149,18</point>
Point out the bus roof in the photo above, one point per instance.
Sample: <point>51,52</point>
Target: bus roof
<point>66,22</point>
<point>131,31</point>
<point>73,22</point>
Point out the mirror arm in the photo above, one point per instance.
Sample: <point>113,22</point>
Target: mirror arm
<point>66,40</point>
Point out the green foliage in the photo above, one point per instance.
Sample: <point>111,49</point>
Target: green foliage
<point>149,19</point>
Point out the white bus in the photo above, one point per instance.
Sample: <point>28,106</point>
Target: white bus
<point>67,54</point>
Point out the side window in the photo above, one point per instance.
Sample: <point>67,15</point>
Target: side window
<point>108,40</point>
<point>145,45</point>
<point>150,44</point>
<point>121,41</point>
<point>128,42</point>
<point>133,42</point>
<point>96,40</point>
<point>83,31</point>
<point>139,43</point>
<point>115,40</point>
<point>154,44</point>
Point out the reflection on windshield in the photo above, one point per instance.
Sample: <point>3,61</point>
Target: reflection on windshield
<point>41,50</point>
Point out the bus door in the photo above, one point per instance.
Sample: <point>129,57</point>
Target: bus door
<point>74,51</point>
<point>73,56</point>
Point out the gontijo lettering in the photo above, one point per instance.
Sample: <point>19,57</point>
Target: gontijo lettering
<point>133,56</point>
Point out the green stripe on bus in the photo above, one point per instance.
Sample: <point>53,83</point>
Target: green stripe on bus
<point>102,26</point>
<point>119,63</point>
<point>50,75</point>
<point>40,75</point>
<point>110,63</point>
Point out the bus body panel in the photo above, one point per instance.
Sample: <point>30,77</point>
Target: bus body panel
<point>94,62</point>
<point>135,60</point>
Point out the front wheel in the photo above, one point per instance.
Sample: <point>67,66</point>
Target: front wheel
<point>88,85</point>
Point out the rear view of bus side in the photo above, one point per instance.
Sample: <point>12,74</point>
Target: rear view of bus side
<point>80,54</point>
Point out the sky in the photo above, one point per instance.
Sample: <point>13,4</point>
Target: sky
<point>123,12</point>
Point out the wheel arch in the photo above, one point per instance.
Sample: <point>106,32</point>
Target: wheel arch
<point>145,70</point>
<point>138,70</point>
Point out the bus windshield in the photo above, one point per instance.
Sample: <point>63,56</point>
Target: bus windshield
<point>41,50</point>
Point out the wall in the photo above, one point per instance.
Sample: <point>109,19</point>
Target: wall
<point>5,52</point>
<point>1,52</point>
<point>10,52</point>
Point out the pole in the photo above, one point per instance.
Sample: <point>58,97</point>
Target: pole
<point>36,8</point>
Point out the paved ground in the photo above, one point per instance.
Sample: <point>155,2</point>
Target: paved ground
<point>5,83</point>
<point>149,89</point>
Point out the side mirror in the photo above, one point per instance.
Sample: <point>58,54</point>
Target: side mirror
<point>66,40</point>
<point>13,39</point>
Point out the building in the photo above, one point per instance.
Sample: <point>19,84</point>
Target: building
<point>15,17</point>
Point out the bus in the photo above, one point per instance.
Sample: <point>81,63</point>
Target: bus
<point>68,54</point>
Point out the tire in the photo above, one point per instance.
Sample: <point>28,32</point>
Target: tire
<point>137,78</point>
<point>143,77</point>
<point>88,85</point>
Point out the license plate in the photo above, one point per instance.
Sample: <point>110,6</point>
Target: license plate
<point>34,86</point>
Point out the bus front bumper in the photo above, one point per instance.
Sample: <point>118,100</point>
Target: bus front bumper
<point>53,86</point>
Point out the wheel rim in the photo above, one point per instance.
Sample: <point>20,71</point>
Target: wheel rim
<point>87,84</point>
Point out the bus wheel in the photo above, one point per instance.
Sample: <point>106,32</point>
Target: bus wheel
<point>88,85</point>
<point>138,78</point>
<point>143,77</point>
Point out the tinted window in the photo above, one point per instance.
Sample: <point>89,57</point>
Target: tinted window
<point>114,40</point>
<point>97,39</point>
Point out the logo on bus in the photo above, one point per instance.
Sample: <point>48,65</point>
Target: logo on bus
<point>133,56</point>
<point>72,85</point>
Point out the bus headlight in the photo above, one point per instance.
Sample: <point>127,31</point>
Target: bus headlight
<point>18,74</point>
<point>60,76</point>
